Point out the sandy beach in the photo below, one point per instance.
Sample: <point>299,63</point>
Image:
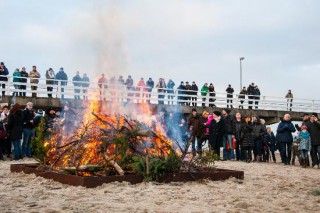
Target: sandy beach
<point>267,187</point>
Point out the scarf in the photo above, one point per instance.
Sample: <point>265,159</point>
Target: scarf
<point>304,134</point>
<point>217,119</point>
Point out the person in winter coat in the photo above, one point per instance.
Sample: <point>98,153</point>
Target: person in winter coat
<point>170,91</point>
<point>161,90</point>
<point>76,80</point>
<point>216,132</point>
<point>187,98</point>
<point>258,134</point>
<point>129,82</point>
<point>34,79</point>
<point>62,80</point>
<point>15,128</point>
<point>194,93</point>
<point>256,96</point>
<point>246,140</point>
<point>271,140</point>
<point>149,85</point>
<point>230,132</point>
<point>103,85</point>
<point>50,76</point>
<point>183,131</point>
<point>141,89</point>
<point>230,92</point>
<point>242,97</point>
<point>3,77</point>
<point>181,92</point>
<point>212,95</point>
<point>5,142</point>
<point>24,79</point>
<point>238,124</point>
<point>194,127</point>
<point>304,141</point>
<point>85,85</point>
<point>49,119</point>
<point>28,129</point>
<point>285,139</point>
<point>16,79</point>
<point>289,97</point>
<point>314,129</point>
<point>204,92</point>
<point>204,136</point>
<point>250,93</point>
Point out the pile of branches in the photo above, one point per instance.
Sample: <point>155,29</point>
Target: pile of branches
<point>115,144</point>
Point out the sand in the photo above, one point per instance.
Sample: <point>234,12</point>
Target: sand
<point>267,187</point>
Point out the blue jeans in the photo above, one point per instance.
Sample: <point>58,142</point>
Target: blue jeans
<point>285,152</point>
<point>257,147</point>
<point>193,144</point>
<point>16,149</point>
<point>26,144</point>
<point>227,155</point>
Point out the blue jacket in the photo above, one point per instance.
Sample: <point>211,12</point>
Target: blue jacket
<point>16,74</point>
<point>61,75</point>
<point>271,140</point>
<point>76,80</point>
<point>3,74</point>
<point>284,132</point>
<point>304,141</point>
<point>84,80</point>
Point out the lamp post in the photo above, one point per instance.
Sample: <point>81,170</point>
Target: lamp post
<point>241,58</point>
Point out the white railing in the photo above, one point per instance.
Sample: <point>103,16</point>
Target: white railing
<point>116,92</point>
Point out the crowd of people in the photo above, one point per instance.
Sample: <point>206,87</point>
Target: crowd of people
<point>185,93</point>
<point>241,137</point>
<point>246,138</point>
<point>17,127</point>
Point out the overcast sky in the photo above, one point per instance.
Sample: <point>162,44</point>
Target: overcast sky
<point>187,40</point>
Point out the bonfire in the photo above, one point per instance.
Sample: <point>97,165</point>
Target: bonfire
<point>99,142</point>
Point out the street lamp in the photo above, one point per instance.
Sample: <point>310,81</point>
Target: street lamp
<point>241,58</point>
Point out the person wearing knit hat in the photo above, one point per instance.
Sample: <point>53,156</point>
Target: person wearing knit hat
<point>217,113</point>
<point>216,132</point>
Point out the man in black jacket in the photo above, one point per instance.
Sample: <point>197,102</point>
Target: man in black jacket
<point>195,90</point>
<point>149,85</point>
<point>3,77</point>
<point>216,132</point>
<point>250,93</point>
<point>314,129</point>
<point>229,91</point>
<point>24,79</point>
<point>229,135</point>
<point>194,127</point>
<point>28,129</point>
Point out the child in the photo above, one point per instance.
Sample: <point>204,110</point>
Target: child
<point>295,150</point>
<point>304,141</point>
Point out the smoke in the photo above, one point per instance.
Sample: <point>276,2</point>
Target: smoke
<point>109,42</point>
